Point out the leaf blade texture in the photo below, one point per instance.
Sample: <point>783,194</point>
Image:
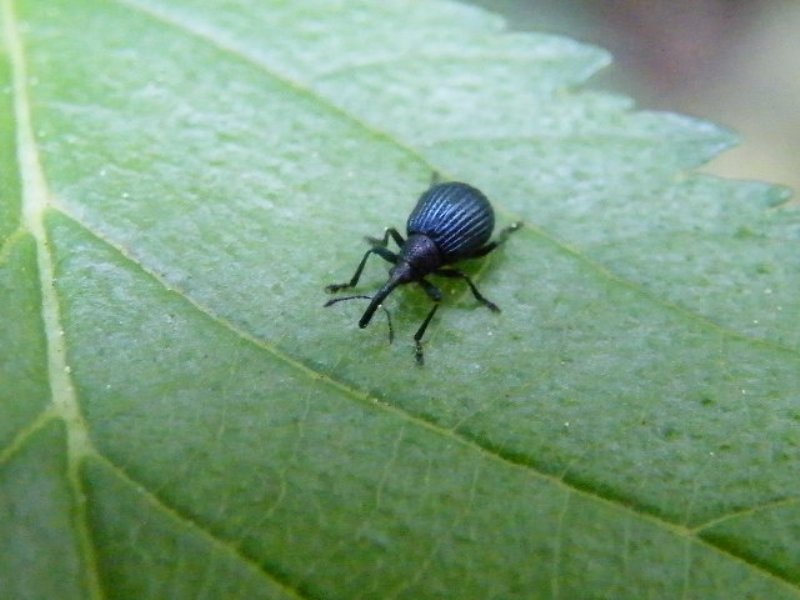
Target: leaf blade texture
<point>181,180</point>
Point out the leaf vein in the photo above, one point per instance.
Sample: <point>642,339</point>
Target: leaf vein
<point>175,514</point>
<point>745,512</point>
<point>231,48</point>
<point>26,433</point>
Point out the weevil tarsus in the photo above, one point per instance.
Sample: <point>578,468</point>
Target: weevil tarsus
<point>364,297</point>
<point>418,354</point>
<point>384,253</point>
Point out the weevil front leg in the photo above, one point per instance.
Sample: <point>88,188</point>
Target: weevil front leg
<point>385,254</point>
<point>383,242</point>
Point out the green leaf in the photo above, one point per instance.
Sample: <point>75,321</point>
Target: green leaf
<point>180,417</point>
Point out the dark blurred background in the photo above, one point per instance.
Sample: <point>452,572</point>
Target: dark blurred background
<point>733,62</point>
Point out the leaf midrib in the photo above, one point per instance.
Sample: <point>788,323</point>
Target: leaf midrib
<point>35,201</point>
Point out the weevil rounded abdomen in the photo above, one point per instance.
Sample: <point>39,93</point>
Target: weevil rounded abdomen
<point>451,222</point>
<point>455,216</point>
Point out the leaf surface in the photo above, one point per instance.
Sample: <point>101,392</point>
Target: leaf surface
<point>180,417</point>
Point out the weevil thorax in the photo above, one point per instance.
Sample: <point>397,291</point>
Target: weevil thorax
<point>418,257</point>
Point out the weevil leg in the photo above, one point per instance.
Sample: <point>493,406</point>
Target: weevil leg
<point>436,178</point>
<point>383,242</point>
<point>420,332</point>
<point>434,294</point>
<point>501,239</point>
<point>380,251</point>
<point>478,296</point>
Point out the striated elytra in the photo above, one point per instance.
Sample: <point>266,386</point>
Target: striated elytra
<point>451,222</point>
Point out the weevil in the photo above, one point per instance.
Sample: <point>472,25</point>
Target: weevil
<point>451,222</point>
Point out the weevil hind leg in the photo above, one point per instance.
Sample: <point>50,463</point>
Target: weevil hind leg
<point>501,239</point>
